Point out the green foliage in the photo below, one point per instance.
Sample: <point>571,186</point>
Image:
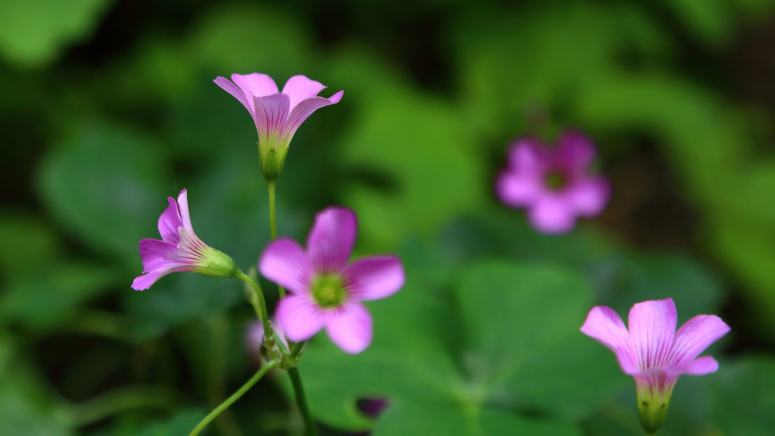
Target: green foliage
<point>33,32</point>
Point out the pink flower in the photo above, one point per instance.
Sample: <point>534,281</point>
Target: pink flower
<point>653,352</point>
<point>326,289</point>
<point>553,184</point>
<point>276,114</point>
<point>179,249</point>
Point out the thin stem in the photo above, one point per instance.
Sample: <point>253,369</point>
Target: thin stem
<point>233,398</point>
<point>256,300</point>
<point>301,401</point>
<point>271,186</point>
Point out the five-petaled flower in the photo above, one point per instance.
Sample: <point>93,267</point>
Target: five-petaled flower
<point>326,289</point>
<point>653,352</point>
<point>179,249</point>
<point>276,114</point>
<point>553,184</point>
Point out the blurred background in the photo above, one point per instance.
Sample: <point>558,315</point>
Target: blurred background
<point>108,106</point>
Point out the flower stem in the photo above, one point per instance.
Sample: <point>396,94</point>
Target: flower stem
<point>271,186</point>
<point>233,398</point>
<point>256,299</point>
<point>301,401</point>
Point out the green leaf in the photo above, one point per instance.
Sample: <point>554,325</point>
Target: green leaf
<point>33,32</point>
<point>27,243</point>
<point>107,186</point>
<point>43,301</point>
<point>744,396</point>
<point>519,328</point>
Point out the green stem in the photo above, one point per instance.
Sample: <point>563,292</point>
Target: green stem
<point>257,300</point>
<point>233,398</point>
<point>301,401</point>
<point>271,186</point>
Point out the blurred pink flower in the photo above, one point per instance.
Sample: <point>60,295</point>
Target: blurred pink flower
<point>553,184</point>
<point>179,249</point>
<point>277,115</point>
<point>653,352</point>
<point>326,289</point>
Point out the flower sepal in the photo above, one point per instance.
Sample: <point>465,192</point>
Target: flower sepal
<point>653,402</point>
<point>272,153</point>
<point>216,263</point>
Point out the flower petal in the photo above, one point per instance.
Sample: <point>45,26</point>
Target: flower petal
<point>350,328</point>
<point>517,190</point>
<point>300,87</point>
<point>551,214</point>
<point>374,277</point>
<point>588,195</point>
<point>576,151</point>
<point>701,366</point>
<point>307,107</point>
<point>271,113</point>
<point>652,329</point>
<point>255,85</point>
<point>527,157</point>
<point>299,317</point>
<point>695,336</point>
<point>285,263</point>
<point>170,222</point>
<point>604,325</point>
<point>331,240</point>
<point>145,281</point>
<point>185,217</point>
<point>235,91</point>
<point>156,254</point>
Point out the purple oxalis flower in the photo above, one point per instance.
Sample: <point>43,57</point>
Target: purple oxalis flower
<point>553,184</point>
<point>179,249</point>
<point>326,289</point>
<point>277,115</point>
<point>653,352</point>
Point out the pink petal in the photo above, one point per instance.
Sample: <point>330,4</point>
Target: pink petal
<point>170,222</point>
<point>703,365</point>
<point>235,92</point>
<point>588,195</point>
<point>307,107</point>
<point>551,214</point>
<point>156,254</point>
<point>576,151</point>
<point>300,87</point>
<point>527,157</point>
<point>271,113</point>
<point>255,85</point>
<point>350,328</point>
<point>285,263</point>
<point>299,317</point>
<point>695,336</point>
<point>375,277</point>
<point>331,240</point>
<point>145,281</point>
<point>183,207</point>
<point>517,190</point>
<point>652,329</point>
<point>604,325</point>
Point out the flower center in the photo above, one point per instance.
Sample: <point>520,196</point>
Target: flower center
<point>328,290</point>
<point>556,180</point>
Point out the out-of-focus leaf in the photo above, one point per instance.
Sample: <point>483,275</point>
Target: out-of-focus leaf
<point>27,243</point>
<point>519,324</point>
<point>33,32</point>
<point>418,149</point>
<point>181,423</point>
<point>41,301</point>
<point>744,396</point>
<point>26,406</point>
<point>108,186</point>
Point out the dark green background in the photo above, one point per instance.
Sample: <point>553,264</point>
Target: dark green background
<point>107,107</point>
